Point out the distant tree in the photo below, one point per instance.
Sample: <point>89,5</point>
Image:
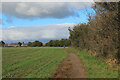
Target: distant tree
<point>51,43</point>
<point>39,44</point>
<point>62,42</point>
<point>2,43</point>
<point>19,43</point>
<point>46,44</point>
<point>35,44</point>
<point>30,44</point>
<point>58,43</point>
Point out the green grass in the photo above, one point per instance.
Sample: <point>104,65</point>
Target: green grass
<point>96,68</point>
<point>31,62</point>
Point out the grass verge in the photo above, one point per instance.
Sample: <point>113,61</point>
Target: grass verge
<point>96,68</point>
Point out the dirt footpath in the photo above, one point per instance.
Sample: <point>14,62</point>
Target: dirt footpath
<point>71,67</point>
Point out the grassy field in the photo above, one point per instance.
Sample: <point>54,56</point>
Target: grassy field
<point>31,62</point>
<point>40,62</point>
<point>96,68</point>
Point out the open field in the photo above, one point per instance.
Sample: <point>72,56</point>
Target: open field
<point>42,62</point>
<point>31,62</point>
<point>96,68</point>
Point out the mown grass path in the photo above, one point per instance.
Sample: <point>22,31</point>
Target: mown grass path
<point>71,67</point>
<point>77,68</point>
<point>96,68</point>
<point>31,62</point>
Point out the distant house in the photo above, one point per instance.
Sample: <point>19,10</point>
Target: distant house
<point>44,44</point>
<point>15,44</point>
<point>24,44</point>
<point>12,44</point>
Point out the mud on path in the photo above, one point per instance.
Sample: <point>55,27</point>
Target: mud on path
<point>71,67</point>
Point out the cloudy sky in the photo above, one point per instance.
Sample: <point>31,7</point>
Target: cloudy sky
<point>43,21</point>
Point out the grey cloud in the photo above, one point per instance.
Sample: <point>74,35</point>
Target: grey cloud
<point>29,10</point>
<point>0,7</point>
<point>47,32</point>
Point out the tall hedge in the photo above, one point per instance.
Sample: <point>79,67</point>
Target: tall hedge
<point>100,35</point>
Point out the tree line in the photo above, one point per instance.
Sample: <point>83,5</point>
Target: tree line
<point>51,43</point>
<point>100,36</point>
<point>30,44</point>
<point>35,44</point>
<point>59,43</point>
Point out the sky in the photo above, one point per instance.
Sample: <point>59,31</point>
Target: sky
<point>43,21</point>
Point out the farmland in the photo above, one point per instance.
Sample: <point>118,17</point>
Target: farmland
<point>43,62</point>
<point>31,62</point>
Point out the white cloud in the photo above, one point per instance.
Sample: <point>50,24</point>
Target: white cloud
<point>11,27</point>
<point>47,32</point>
<point>46,0</point>
<point>28,10</point>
